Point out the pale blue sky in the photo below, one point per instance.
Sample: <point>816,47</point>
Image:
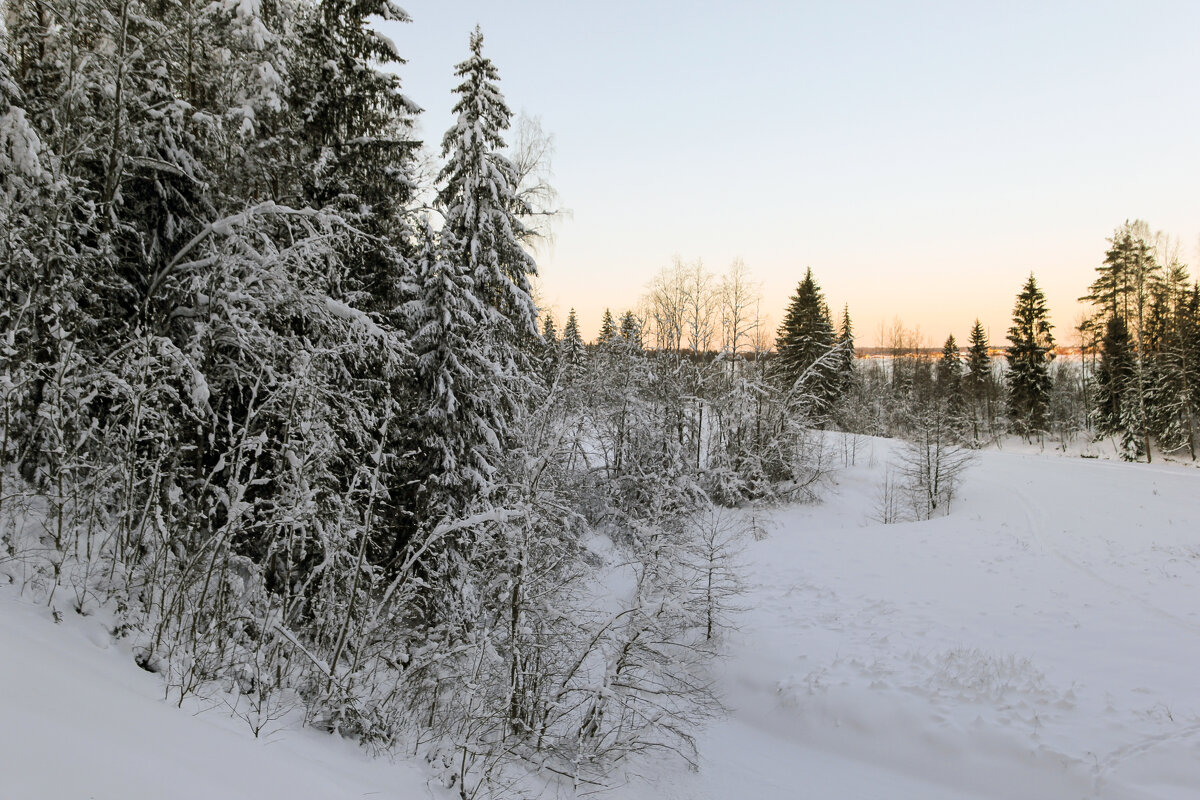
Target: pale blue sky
<point>922,158</point>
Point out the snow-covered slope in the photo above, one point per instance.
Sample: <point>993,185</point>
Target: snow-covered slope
<point>1040,642</point>
<point>79,721</point>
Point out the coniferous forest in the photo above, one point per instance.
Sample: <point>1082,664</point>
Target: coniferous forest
<point>277,395</point>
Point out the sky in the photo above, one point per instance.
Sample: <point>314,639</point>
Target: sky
<point>923,158</point>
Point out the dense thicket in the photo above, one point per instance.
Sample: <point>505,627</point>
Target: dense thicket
<point>297,430</point>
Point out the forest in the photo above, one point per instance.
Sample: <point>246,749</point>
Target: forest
<point>278,397</point>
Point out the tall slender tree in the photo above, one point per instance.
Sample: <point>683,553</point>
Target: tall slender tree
<point>845,352</point>
<point>949,368</point>
<point>483,228</point>
<point>1031,347</point>
<point>979,383</point>
<point>1117,408</point>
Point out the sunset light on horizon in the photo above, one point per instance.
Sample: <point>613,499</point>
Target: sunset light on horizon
<point>922,159</point>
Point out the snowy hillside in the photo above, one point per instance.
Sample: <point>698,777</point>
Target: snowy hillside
<point>79,720</point>
<point>1039,642</point>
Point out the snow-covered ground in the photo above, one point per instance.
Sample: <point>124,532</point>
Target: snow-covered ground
<point>79,721</point>
<point>1042,641</point>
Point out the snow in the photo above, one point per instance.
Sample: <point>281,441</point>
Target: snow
<point>1041,641</point>
<point>360,318</point>
<point>79,720</point>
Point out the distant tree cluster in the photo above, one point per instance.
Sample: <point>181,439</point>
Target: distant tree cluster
<point>1136,382</point>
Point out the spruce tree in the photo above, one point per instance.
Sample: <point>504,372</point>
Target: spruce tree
<point>1126,274</point>
<point>354,151</point>
<point>463,414</point>
<point>803,343</point>
<point>1169,370</point>
<point>631,330</point>
<point>572,353</point>
<point>608,330</point>
<point>483,228</point>
<point>949,369</point>
<point>845,349</point>
<point>549,348</point>
<point>950,390</point>
<point>979,361</point>
<point>1031,347</point>
<point>1117,409</point>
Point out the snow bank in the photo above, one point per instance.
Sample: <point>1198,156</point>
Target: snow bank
<point>79,720</point>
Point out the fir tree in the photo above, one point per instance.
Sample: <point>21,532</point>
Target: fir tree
<point>950,390</point>
<point>1125,273</point>
<point>549,330</point>
<point>355,117</point>
<point>548,352</point>
<point>1123,289</point>
<point>1170,371</point>
<point>1031,347</point>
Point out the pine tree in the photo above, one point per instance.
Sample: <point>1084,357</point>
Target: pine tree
<point>950,391</point>
<point>1125,275</point>
<point>549,330</point>
<point>1030,350</point>
<point>357,154</point>
<point>1123,289</point>
<point>1169,371</point>
<point>548,349</point>
<point>1189,332</point>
